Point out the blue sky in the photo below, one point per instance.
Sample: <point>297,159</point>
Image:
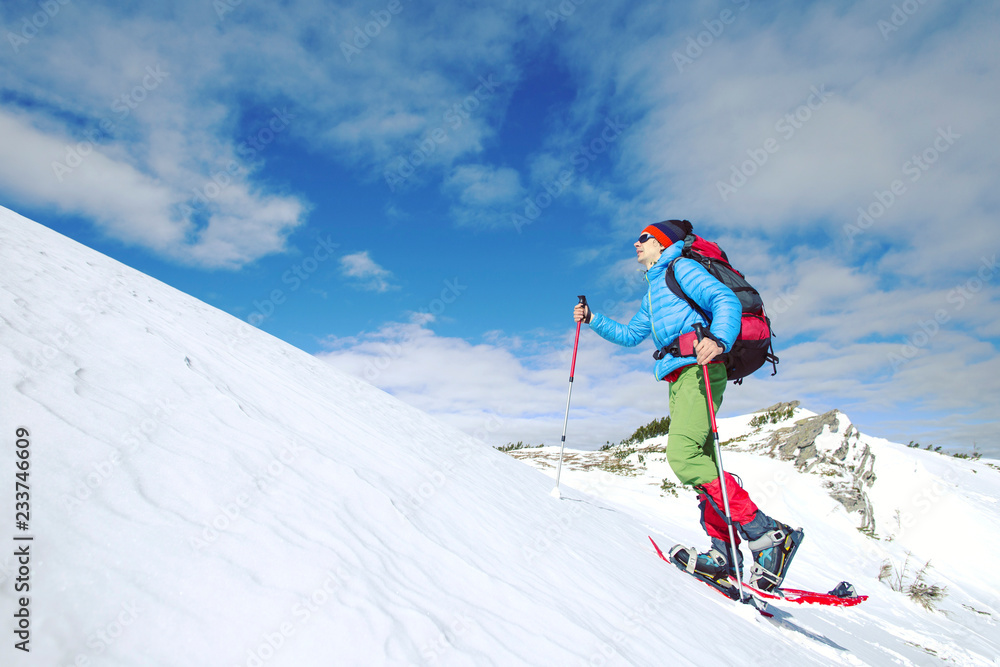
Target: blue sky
<point>417,194</point>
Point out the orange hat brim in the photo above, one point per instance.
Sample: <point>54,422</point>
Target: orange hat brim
<point>658,234</point>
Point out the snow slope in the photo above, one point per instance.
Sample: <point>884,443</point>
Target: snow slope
<point>927,508</point>
<point>202,493</point>
<point>935,507</point>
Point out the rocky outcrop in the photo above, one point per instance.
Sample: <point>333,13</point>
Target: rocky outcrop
<point>799,441</point>
<point>826,445</point>
<point>852,492</point>
<point>848,462</point>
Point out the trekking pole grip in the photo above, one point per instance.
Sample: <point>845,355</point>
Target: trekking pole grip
<point>576,343</point>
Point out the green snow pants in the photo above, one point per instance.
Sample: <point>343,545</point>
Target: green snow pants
<point>690,450</point>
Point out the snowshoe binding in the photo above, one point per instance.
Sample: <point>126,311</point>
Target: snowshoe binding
<point>772,554</point>
<point>711,567</point>
<point>845,590</point>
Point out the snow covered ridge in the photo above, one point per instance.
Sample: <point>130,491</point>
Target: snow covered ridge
<point>827,445</point>
<point>202,493</point>
<point>856,469</point>
<point>900,510</point>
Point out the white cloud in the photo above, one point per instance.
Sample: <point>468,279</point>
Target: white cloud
<point>482,185</point>
<point>163,140</point>
<point>878,103</point>
<point>365,273</point>
<point>136,207</point>
<point>909,108</point>
<point>844,302</point>
<point>841,306</point>
<point>114,192</point>
<point>486,195</point>
<point>506,390</point>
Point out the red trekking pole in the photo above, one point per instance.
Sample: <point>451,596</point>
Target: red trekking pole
<point>572,371</point>
<point>700,332</point>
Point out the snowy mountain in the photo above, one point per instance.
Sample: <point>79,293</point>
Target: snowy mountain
<point>875,513</point>
<point>197,492</point>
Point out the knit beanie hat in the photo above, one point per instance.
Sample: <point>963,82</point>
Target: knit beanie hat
<point>669,232</point>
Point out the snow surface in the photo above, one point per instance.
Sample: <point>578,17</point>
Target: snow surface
<point>205,494</point>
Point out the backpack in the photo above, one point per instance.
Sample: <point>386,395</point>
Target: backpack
<point>752,348</point>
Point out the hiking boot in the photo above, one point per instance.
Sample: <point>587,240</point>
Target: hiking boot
<point>712,564</point>
<point>724,547</point>
<point>772,554</point>
<point>711,567</point>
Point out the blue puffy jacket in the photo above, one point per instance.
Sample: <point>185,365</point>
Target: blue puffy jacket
<point>667,316</point>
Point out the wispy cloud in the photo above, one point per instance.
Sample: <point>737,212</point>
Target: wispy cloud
<point>807,140</point>
<point>364,273</point>
<point>503,389</point>
<point>855,186</point>
<point>804,136</point>
<point>234,224</point>
<point>485,195</point>
<point>174,161</point>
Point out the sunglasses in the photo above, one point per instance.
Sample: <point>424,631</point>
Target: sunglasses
<point>644,237</point>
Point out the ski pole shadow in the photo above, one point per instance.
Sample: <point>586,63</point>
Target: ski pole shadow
<point>785,620</point>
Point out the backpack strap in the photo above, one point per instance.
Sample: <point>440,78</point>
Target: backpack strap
<point>674,286</point>
<point>688,245</point>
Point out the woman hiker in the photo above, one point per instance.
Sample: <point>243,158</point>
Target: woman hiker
<point>690,450</point>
